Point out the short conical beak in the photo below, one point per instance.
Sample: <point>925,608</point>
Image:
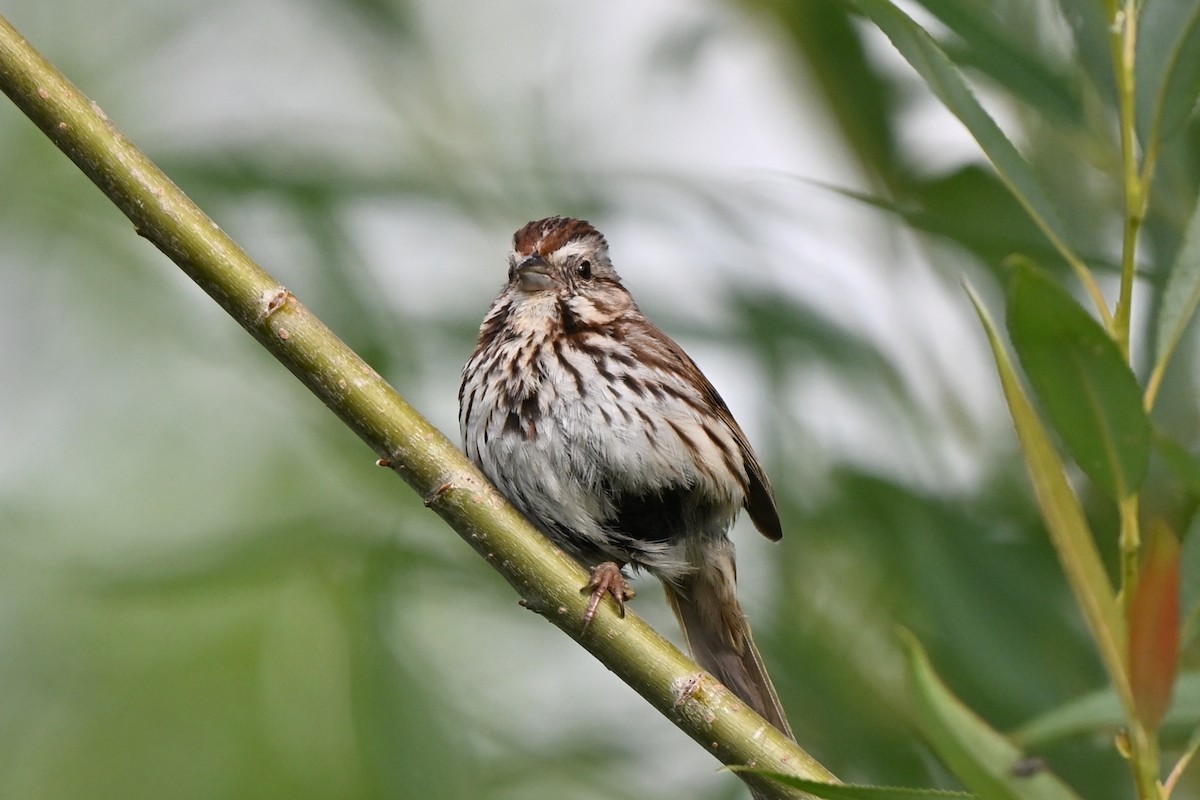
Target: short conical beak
<point>534,274</point>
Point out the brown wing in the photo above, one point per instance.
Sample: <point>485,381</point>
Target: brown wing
<point>760,497</point>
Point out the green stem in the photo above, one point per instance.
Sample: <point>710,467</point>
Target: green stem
<point>1130,545</point>
<point>1144,761</point>
<point>1123,41</point>
<point>1143,744</point>
<point>546,580</point>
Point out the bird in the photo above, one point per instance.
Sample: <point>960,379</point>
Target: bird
<point>604,433</point>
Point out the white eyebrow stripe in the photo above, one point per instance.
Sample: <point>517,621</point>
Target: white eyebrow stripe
<point>577,247</point>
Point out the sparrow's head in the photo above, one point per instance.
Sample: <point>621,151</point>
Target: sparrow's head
<point>560,278</point>
<point>561,256</point>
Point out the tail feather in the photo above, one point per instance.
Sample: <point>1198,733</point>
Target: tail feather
<point>718,636</point>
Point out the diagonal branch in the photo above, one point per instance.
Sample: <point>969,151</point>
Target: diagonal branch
<point>547,581</point>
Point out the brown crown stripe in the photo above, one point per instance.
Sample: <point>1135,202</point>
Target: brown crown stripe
<point>544,236</point>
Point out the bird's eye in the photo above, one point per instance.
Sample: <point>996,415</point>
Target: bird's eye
<point>584,269</point>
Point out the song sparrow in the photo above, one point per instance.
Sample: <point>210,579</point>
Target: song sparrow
<point>602,431</point>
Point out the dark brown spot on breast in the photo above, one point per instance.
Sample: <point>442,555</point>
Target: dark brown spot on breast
<point>593,349</point>
<point>494,325</point>
<point>688,442</point>
<point>531,411</point>
<point>633,384</point>
<point>590,347</point>
<point>571,324</point>
<point>605,372</point>
<point>622,358</point>
<point>529,407</point>
<point>512,423</point>
<point>580,384</point>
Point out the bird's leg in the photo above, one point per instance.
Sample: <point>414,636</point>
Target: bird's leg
<point>607,578</point>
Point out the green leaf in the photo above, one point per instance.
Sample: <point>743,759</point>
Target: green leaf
<point>1101,711</point>
<point>986,40</point>
<point>1183,465</point>
<point>1085,386</point>
<point>1065,521</point>
<point>842,791</point>
<point>982,758</point>
<point>945,80</point>
<point>1179,298</point>
<point>856,90</point>
<point>935,204</point>
<point>1190,588</point>
<point>1168,61</point>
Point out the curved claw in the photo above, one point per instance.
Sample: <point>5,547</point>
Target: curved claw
<point>607,578</point>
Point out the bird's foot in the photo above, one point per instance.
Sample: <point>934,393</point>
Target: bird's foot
<point>607,578</point>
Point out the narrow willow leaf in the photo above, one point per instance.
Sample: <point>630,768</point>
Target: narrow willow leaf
<point>1065,521</point>
<point>1183,465</point>
<point>1179,299</point>
<point>1168,66</point>
<point>934,205</point>
<point>1189,583</point>
<point>1154,627</point>
<point>945,80</point>
<point>1101,711</point>
<point>1085,386</point>
<point>1000,51</point>
<point>981,757</point>
<point>842,791</point>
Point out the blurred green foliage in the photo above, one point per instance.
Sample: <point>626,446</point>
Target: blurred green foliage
<point>206,588</point>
